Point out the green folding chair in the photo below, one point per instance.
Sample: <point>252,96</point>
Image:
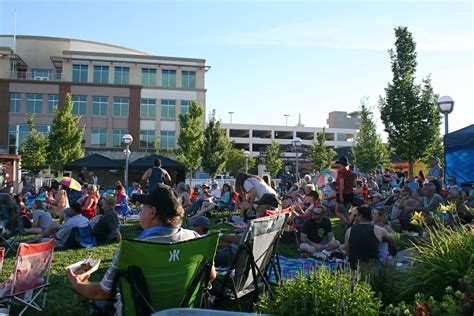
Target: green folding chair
<point>153,276</point>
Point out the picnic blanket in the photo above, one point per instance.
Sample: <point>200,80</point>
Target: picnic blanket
<point>290,267</point>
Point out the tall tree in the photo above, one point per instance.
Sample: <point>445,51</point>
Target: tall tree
<point>65,138</point>
<point>273,162</point>
<point>319,154</point>
<point>34,149</point>
<point>408,110</point>
<point>191,137</point>
<point>236,161</point>
<point>369,151</point>
<point>215,147</point>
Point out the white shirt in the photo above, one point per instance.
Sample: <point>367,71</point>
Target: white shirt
<point>216,193</point>
<point>260,187</point>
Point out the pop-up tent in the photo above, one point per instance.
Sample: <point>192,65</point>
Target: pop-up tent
<point>458,153</point>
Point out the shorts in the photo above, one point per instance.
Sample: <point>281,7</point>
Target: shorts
<point>268,199</point>
<point>348,198</point>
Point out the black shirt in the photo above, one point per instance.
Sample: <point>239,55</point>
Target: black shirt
<point>316,231</point>
<point>363,244</point>
<point>106,225</point>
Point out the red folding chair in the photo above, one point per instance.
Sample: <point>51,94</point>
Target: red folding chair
<point>30,278</point>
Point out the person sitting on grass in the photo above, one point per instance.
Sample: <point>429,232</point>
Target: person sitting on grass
<point>161,218</point>
<point>42,219</point>
<point>221,204</point>
<point>203,196</point>
<point>106,229</point>
<point>380,218</point>
<point>298,216</point>
<point>317,234</point>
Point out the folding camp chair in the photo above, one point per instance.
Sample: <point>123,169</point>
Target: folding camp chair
<point>158,276</point>
<point>255,258</point>
<point>30,278</point>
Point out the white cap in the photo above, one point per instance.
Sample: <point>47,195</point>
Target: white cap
<point>214,182</point>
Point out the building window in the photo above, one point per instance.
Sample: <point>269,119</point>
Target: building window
<point>147,139</point>
<point>41,74</point>
<point>120,107</point>
<point>148,77</point>
<point>121,75</point>
<point>148,109</point>
<point>80,104</point>
<point>117,135</point>
<point>185,106</point>
<point>79,73</point>
<point>168,109</point>
<point>99,137</point>
<point>100,105</point>
<point>101,74</point>
<point>34,103</point>
<point>15,101</point>
<point>167,139</point>
<point>53,100</point>
<point>188,79</point>
<point>168,78</point>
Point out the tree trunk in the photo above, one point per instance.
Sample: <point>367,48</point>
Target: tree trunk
<point>410,168</point>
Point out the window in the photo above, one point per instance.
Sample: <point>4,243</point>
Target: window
<point>148,77</point>
<point>168,78</point>
<point>15,101</point>
<point>101,74</point>
<point>168,109</point>
<point>53,100</point>
<point>120,107</point>
<point>185,106</point>
<point>147,139</point>
<point>23,133</point>
<point>12,139</point>
<point>79,73</point>
<point>117,135</point>
<point>167,139</point>
<point>80,104</point>
<point>188,79</point>
<point>34,103</point>
<point>41,74</point>
<point>148,108</point>
<point>98,137</point>
<point>121,75</point>
<point>100,105</point>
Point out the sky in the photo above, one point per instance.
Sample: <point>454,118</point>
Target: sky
<point>271,58</point>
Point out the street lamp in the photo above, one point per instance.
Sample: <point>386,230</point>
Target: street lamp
<point>445,105</point>
<point>127,139</point>
<point>296,142</point>
<point>230,114</point>
<point>246,155</point>
<point>286,119</point>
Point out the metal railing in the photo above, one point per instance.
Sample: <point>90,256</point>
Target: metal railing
<point>24,75</point>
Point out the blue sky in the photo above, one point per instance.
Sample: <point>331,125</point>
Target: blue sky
<point>273,58</point>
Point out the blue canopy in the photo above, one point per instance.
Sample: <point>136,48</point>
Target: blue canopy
<point>458,153</point>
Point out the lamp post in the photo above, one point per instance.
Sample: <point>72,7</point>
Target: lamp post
<point>286,119</point>
<point>127,139</point>
<point>445,106</point>
<point>246,155</point>
<point>296,142</point>
<point>230,114</point>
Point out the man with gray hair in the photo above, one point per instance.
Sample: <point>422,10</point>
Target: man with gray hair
<point>430,200</point>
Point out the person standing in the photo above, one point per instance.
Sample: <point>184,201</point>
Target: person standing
<point>345,182</point>
<point>156,175</point>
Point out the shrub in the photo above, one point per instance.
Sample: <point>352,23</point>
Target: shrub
<point>441,261</point>
<point>384,279</point>
<point>322,293</point>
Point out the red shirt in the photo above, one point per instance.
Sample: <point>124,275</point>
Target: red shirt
<point>348,177</point>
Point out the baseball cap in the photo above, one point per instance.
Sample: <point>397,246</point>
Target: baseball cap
<point>342,161</point>
<point>214,182</point>
<point>163,198</point>
<point>200,221</point>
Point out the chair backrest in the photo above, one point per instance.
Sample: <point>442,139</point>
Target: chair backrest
<point>261,238</point>
<point>33,265</point>
<point>85,238</point>
<point>173,272</point>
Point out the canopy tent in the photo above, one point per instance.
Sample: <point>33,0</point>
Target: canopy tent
<point>94,161</point>
<point>458,153</point>
<point>176,169</point>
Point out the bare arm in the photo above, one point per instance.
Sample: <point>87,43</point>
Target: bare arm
<point>166,175</point>
<point>118,235</point>
<point>146,175</point>
<point>92,291</point>
<point>88,203</point>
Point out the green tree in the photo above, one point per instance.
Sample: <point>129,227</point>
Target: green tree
<point>236,161</point>
<point>191,137</point>
<point>65,138</point>
<point>34,149</point>
<point>319,154</point>
<point>215,147</point>
<point>273,162</point>
<point>369,151</point>
<point>408,110</point>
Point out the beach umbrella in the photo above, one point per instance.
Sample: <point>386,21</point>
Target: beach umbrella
<point>323,176</point>
<point>69,182</point>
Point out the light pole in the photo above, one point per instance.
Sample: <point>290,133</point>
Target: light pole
<point>286,119</point>
<point>231,113</point>
<point>296,142</point>
<point>246,155</point>
<point>127,139</point>
<point>445,105</point>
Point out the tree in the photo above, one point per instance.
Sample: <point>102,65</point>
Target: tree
<point>408,110</point>
<point>236,161</point>
<point>273,162</point>
<point>319,154</point>
<point>34,149</point>
<point>65,138</point>
<point>215,147</point>
<point>369,151</point>
<point>191,137</point>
